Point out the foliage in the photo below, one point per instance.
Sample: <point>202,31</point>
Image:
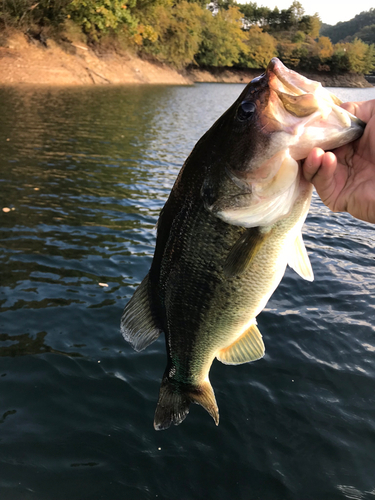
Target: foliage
<point>289,54</point>
<point>325,48</point>
<point>29,12</point>
<point>367,34</point>
<point>183,32</point>
<point>222,40</point>
<point>95,16</point>
<point>310,25</point>
<point>360,57</point>
<point>260,48</point>
<point>291,19</point>
<point>341,30</point>
<point>174,35</point>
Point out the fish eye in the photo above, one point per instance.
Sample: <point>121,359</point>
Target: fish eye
<point>245,110</point>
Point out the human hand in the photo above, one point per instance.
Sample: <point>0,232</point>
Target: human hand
<point>345,178</point>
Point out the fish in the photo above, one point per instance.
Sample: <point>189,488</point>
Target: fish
<point>232,223</point>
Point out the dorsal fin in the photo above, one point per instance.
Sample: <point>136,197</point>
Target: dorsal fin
<point>137,323</point>
<point>299,260</point>
<point>249,347</point>
<point>243,252</point>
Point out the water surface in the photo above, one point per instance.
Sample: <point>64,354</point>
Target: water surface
<point>85,173</point>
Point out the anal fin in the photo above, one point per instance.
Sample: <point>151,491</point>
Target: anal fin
<point>137,323</point>
<point>249,347</point>
<point>299,260</point>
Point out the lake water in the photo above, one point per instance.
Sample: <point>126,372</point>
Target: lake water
<point>85,172</point>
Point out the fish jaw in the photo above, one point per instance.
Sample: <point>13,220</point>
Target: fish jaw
<point>301,114</point>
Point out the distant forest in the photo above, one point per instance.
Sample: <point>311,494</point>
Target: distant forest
<point>197,32</point>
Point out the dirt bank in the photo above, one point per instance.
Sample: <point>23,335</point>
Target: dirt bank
<point>22,61</point>
<point>29,62</point>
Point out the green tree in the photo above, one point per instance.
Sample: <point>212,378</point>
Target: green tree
<point>367,34</point>
<point>349,28</point>
<point>254,14</point>
<point>260,48</point>
<point>357,57</point>
<point>297,12</point>
<point>360,56</point>
<point>176,32</point>
<point>310,25</point>
<point>223,39</point>
<point>289,54</point>
<point>26,12</point>
<point>100,16</point>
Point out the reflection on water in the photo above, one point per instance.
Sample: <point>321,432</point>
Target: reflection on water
<point>85,173</point>
<point>23,345</point>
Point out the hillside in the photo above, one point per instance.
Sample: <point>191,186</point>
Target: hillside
<point>361,26</point>
<point>181,33</point>
<point>23,61</point>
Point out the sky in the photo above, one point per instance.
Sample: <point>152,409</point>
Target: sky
<point>330,12</point>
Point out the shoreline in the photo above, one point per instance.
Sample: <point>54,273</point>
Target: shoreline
<point>26,62</point>
<point>229,75</point>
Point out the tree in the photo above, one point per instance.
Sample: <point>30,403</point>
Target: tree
<point>310,25</point>
<point>357,56</point>
<point>349,28</point>
<point>325,48</point>
<point>254,14</point>
<point>361,56</point>
<point>260,48</point>
<point>178,32</point>
<point>367,34</point>
<point>289,53</point>
<point>297,12</point>
<point>223,39</point>
<point>101,16</point>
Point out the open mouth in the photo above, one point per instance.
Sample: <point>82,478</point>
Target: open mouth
<point>307,112</point>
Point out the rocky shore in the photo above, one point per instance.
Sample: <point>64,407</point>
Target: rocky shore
<point>24,61</point>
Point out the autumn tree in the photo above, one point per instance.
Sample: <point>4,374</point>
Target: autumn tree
<point>324,48</point>
<point>100,16</point>
<point>223,39</point>
<point>360,56</point>
<point>260,48</point>
<point>177,32</point>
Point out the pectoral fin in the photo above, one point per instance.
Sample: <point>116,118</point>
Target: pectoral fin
<point>299,260</point>
<point>249,347</point>
<point>243,252</point>
<point>138,324</point>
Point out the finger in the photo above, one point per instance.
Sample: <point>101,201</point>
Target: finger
<point>327,168</point>
<point>312,163</point>
<point>362,110</point>
<point>319,168</point>
<point>324,180</point>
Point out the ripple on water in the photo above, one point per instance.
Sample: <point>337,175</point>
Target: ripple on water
<point>87,172</point>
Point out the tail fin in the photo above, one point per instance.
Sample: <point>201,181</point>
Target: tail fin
<point>175,399</point>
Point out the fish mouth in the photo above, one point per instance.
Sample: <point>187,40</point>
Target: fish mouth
<point>307,112</point>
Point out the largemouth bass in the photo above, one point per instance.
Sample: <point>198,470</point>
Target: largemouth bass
<point>229,228</point>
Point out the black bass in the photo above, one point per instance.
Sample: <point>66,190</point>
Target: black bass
<point>230,226</point>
